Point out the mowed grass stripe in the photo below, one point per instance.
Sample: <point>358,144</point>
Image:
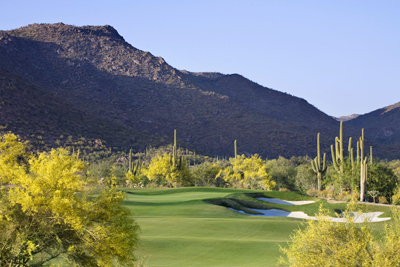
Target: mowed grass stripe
<point>180,229</point>
<point>217,239</point>
<point>211,252</point>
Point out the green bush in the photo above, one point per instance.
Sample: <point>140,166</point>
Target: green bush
<point>383,200</point>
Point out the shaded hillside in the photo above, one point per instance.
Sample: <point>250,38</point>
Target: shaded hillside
<point>48,121</point>
<point>266,101</point>
<point>108,81</point>
<point>381,125</point>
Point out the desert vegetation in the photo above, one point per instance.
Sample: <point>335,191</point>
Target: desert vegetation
<point>93,161</point>
<point>62,205</point>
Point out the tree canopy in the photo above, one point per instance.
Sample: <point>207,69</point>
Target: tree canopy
<point>46,214</point>
<point>248,173</point>
<point>161,169</point>
<point>326,243</point>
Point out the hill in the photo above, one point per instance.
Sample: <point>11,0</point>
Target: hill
<point>48,121</point>
<point>382,125</point>
<point>140,97</point>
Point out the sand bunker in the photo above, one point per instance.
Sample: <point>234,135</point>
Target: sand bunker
<point>285,202</point>
<point>357,217</point>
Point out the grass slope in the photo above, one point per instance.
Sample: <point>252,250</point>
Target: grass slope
<point>180,229</point>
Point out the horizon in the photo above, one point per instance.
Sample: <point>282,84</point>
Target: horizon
<point>330,54</point>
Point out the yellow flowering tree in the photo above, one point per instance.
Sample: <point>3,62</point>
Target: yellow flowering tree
<point>45,214</point>
<point>161,168</point>
<point>326,243</point>
<point>248,173</point>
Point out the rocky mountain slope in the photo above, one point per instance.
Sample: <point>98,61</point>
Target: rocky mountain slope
<point>93,73</point>
<point>382,125</point>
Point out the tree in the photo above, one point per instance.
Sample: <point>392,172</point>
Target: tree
<point>381,178</point>
<point>248,173</point>
<point>283,172</point>
<point>162,168</point>
<point>45,214</point>
<point>205,174</point>
<point>305,178</point>
<point>326,243</point>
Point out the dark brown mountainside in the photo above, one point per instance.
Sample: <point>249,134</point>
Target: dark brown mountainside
<point>382,125</point>
<point>49,121</point>
<point>92,73</point>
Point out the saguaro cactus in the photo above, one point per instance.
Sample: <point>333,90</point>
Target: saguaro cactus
<point>130,160</point>
<point>136,169</point>
<point>174,152</point>
<point>317,167</point>
<point>337,154</point>
<point>175,162</point>
<point>350,155</point>
<point>235,144</point>
<point>370,155</point>
<point>363,168</point>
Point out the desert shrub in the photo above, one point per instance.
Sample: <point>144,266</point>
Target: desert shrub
<point>396,196</point>
<point>395,166</point>
<point>344,196</point>
<point>284,189</point>
<point>246,172</point>
<point>312,192</point>
<point>162,171</point>
<point>381,178</point>
<point>326,193</point>
<point>52,217</point>
<point>205,174</point>
<point>383,200</point>
<point>305,177</point>
<point>326,243</point>
<point>356,195</point>
<point>283,172</point>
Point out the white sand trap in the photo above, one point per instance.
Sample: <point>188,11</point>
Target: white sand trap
<point>357,218</point>
<point>285,202</point>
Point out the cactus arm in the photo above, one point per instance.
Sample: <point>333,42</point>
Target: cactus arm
<point>370,154</point>
<point>335,165</point>
<point>349,148</point>
<point>314,167</point>
<point>337,151</point>
<point>341,139</point>
<point>324,167</point>
<point>352,160</point>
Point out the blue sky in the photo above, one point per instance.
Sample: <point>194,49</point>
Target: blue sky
<point>342,56</point>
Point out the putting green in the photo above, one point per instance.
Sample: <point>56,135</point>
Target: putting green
<point>179,229</point>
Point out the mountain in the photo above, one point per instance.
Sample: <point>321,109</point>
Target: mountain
<point>94,80</point>
<point>347,118</point>
<point>49,121</point>
<point>382,125</point>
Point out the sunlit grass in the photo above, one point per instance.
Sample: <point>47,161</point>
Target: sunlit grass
<point>180,229</point>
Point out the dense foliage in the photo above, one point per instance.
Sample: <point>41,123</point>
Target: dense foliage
<point>249,172</point>
<point>162,171</point>
<point>46,214</point>
<point>326,243</point>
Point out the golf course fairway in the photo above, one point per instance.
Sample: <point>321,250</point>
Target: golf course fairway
<point>178,228</point>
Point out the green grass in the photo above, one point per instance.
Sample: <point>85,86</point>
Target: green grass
<point>180,229</point>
